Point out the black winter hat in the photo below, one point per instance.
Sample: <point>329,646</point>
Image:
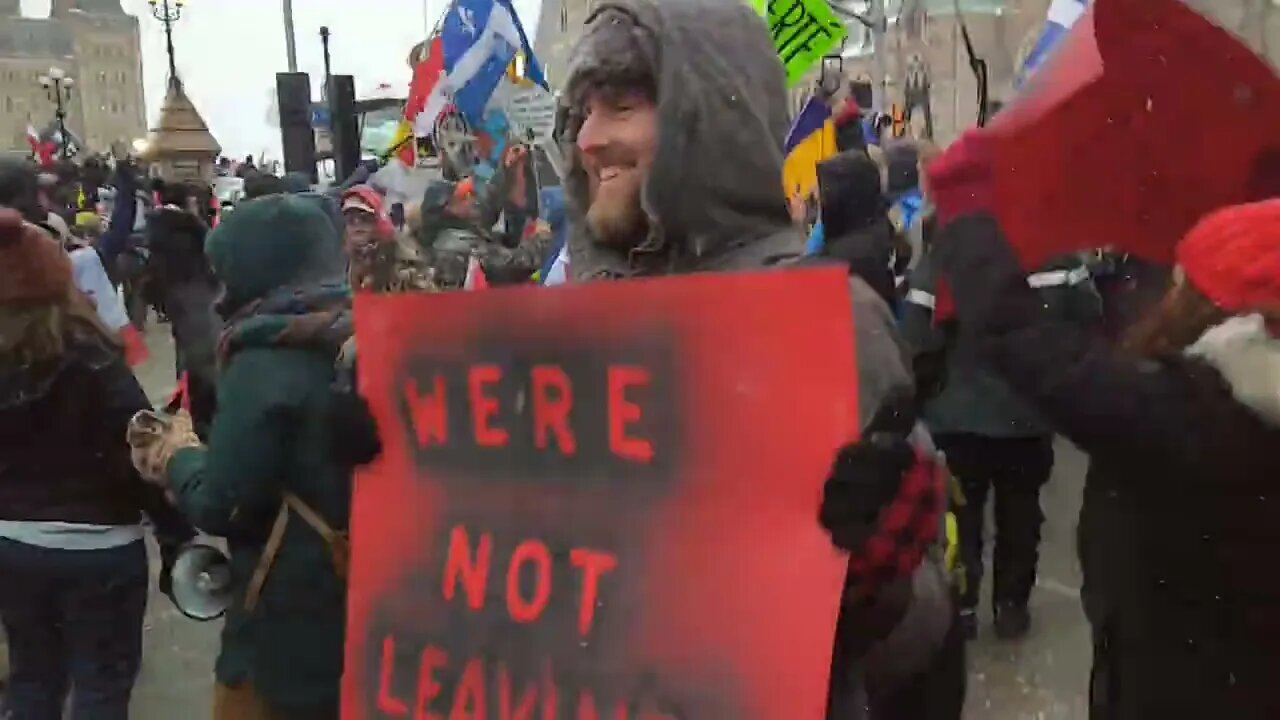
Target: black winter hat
<point>903,161</point>
<point>849,187</point>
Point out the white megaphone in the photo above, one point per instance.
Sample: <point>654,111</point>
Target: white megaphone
<point>201,582</point>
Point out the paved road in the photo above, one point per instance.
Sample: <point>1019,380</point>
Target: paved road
<point>1040,678</point>
<point>178,654</point>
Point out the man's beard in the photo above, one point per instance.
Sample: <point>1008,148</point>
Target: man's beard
<point>616,218</point>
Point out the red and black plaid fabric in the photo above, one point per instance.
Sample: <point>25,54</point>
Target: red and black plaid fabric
<point>905,529</point>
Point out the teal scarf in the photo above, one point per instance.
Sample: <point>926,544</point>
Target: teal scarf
<point>317,317</point>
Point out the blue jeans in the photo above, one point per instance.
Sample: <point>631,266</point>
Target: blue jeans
<point>73,618</point>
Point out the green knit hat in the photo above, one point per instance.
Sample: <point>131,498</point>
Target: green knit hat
<point>274,242</point>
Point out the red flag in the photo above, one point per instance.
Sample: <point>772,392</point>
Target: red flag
<point>135,347</point>
<point>181,397</point>
<point>475,276</point>
<point>1147,117</point>
<point>425,76</point>
<point>42,151</point>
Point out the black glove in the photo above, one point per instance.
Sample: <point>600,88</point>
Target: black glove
<point>866,475</point>
<point>168,556</point>
<point>352,430</point>
<point>172,532</point>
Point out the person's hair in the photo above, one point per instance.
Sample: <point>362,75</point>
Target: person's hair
<point>615,83</point>
<point>19,189</point>
<point>36,333</point>
<point>89,230</point>
<point>257,186</point>
<point>614,58</point>
<point>1178,320</point>
<point>176,193</point>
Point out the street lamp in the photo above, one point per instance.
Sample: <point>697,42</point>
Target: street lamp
<point>58,87</point>
<point>168,12</point>
<point>324,44</point>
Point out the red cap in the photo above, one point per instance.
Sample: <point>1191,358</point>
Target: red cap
<point>848,112</point>
<point>366,199</point>
<point>1233,256</point>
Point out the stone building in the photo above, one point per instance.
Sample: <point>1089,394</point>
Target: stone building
<point>930,49</point>
<point>94,42</point>
<point>558,26</point>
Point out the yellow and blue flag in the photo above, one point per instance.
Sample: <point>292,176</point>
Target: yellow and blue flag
<point>811,140</point>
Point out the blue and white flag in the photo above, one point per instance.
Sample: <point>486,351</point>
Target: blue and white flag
<point>480,40</point>
<point>558,272</point>
<point>1062,15</point>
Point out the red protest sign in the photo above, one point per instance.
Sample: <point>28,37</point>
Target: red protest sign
<point>599,501</point>
<point>1147,117</point>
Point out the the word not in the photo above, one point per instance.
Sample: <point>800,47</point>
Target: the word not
<point>469,567</point>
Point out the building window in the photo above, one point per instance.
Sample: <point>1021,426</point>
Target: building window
<point>8,104</point>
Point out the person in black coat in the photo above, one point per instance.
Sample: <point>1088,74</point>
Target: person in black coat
<point>855,220</point>
<point>1178,530</point>
<point>1129,287</point>
<point>186,288</point>
<point>72,558</point>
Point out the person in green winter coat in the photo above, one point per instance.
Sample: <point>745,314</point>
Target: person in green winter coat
<point>267,481</point>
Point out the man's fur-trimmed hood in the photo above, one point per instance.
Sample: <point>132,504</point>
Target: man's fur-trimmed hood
<point>1248,357</point>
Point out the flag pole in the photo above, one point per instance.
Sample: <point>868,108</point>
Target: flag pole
<point>289,45</point>
<point>439,23</point>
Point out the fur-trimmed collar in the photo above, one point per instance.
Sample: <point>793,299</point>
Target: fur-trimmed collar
<point>1249,359</point>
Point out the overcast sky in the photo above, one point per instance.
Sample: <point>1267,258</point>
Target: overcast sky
<point>229,51</point>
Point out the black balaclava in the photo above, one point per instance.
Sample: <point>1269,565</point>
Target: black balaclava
<point>849,187</point>
<point>903,160</point>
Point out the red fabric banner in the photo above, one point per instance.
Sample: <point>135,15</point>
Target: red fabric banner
<point>1145,118</point>
<point>599,501</point>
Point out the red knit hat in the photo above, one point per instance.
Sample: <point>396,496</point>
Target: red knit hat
<point>33,266</point>
<point>1233,256</point>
